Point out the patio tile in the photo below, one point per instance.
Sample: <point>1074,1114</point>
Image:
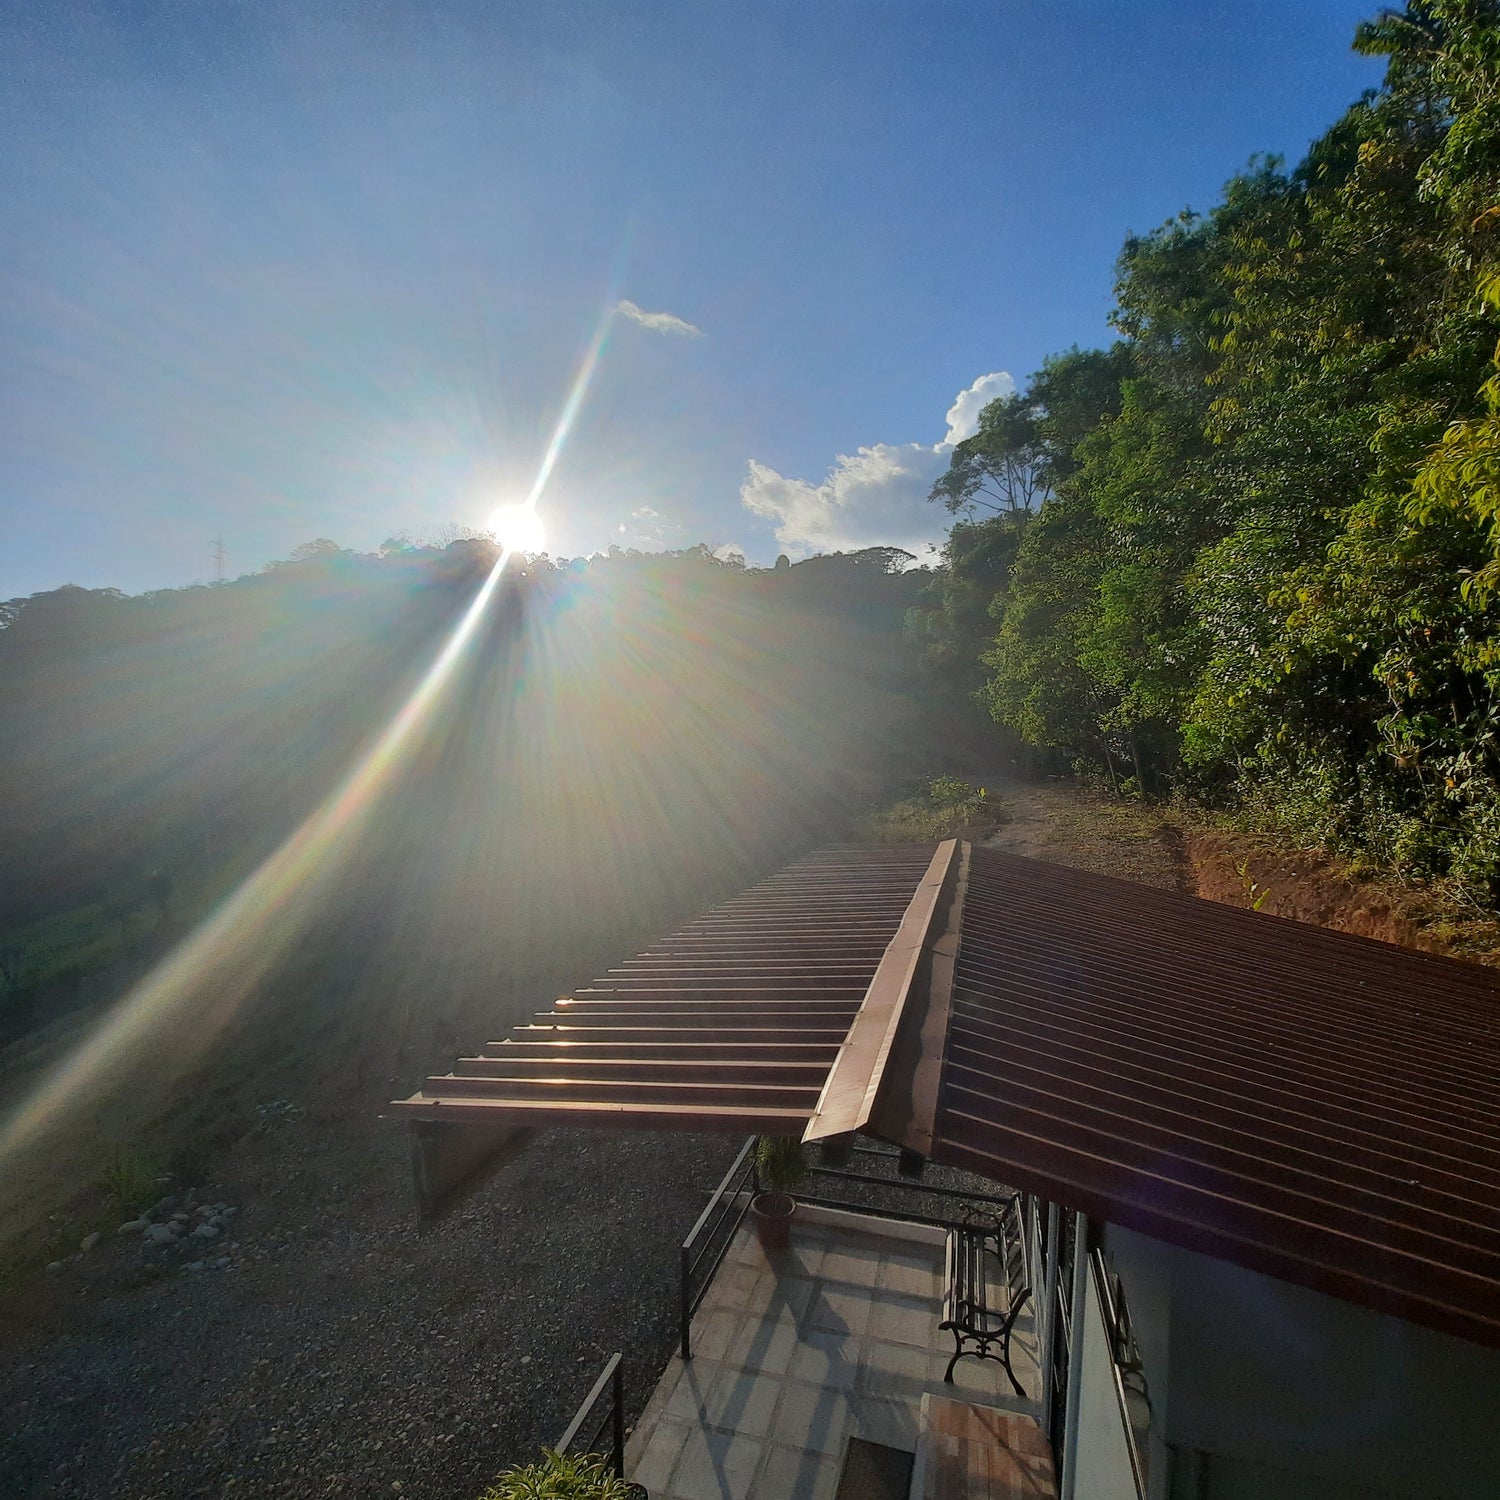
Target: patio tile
<point>804,1256</point>
<point>894,1369</point>
<point>902,1320</point>
<point>795,1352</point>
<point>744,1286</point>
<point>653,1468</point>
<point>837,1310</point>
<point>853,1261</point>
<point>794,1293</point>
<point>812,1417</point>
<point>713,1330</point>
<point>742,1401</point>
<point>689,1398</point>
<point>745,1250</point>
<point>764,1343</point>
<point>825,1358</point>
<point>717,1464</point>
<point>912,1276</point>
<point>795,1474</point>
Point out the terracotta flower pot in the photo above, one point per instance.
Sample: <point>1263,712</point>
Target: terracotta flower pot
<point>773,1220</point>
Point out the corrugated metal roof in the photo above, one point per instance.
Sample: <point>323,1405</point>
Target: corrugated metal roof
<point>1317,1106</point>
<point>1302,1102</point>
<point>731,1023</point>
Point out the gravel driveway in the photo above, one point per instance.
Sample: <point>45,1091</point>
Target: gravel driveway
<point>344,1353</point>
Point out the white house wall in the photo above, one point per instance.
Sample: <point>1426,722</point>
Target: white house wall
<point>1105,1471</point>
<point>1288,1394</point>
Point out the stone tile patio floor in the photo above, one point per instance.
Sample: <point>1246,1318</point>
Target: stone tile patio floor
<point>793,1355</point>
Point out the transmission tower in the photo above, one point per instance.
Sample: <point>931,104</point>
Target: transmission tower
<point>218,556</point>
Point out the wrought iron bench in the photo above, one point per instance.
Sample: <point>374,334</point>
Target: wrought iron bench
<point>987,1286</point>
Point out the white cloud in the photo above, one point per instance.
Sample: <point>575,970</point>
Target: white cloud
<point>658,322</point>
<point>963,415</point>
<point>875,497</point>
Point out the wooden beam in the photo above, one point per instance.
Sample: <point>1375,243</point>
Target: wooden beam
<point>906,1116</point>
<point>449,1160</point>
<point>849,1096</point>
<point>494,1115</point>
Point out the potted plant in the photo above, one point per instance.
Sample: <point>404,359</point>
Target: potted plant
<point>780,1166</point>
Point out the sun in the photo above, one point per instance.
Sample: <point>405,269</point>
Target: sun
<point>518,528</point>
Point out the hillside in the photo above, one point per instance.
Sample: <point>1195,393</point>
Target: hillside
<point>621,741</point>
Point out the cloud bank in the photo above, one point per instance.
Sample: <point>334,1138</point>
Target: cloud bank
<point>658,322</point>
<point>876,496</point>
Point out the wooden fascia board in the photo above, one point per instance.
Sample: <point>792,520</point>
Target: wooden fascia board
<point>851,1093</point>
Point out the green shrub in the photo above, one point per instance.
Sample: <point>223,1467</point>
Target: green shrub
<point>130,1180</point>
<point>951,791</point>
<point>780,1163</point>
<point>560,1476</point>
<point>949,808</point>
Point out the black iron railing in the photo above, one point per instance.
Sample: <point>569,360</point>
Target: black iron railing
<point>708,1240</point>
<point>603,1410</point>
<point>887,1197</point>
<point>1059,1332</point>
<point>871,1190</point>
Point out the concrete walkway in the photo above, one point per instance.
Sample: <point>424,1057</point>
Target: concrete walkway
<point>836,1338</point>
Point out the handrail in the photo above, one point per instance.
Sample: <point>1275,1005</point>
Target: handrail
<point>723,1203</point>
<point>709,1239</point>
<point>614,1417</point>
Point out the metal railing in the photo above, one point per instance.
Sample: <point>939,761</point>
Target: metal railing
<point>904,1188</point>
<point>586,1431</point>
<point>710,1238</point>
<point>1058,1334</point>
<point>708,1241</point>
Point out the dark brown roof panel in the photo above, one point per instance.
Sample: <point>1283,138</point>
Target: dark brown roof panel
<point>1317,1106</point>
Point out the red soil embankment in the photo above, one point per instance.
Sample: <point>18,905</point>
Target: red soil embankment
<point>1237,871</point>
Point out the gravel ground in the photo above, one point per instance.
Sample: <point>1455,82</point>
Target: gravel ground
<point>344,1353</point>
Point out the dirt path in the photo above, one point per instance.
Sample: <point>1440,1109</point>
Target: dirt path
<point>1059,822</point>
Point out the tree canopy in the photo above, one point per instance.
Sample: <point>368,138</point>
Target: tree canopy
<point>1252,550</point>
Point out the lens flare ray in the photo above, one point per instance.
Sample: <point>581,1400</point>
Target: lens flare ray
<point>209,974</point>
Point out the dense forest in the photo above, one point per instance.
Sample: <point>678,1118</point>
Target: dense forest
<point>1251,552</point>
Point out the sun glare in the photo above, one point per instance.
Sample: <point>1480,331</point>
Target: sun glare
<point>518,528</point>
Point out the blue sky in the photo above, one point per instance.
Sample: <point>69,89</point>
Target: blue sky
<point>281,271</point>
